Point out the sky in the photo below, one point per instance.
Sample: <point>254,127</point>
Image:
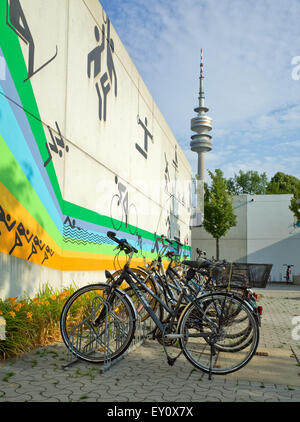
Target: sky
<point>251,51</point>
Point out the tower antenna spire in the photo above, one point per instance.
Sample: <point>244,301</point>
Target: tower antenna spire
<point>201,63</point>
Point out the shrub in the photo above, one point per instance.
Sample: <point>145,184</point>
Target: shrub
<point>32,322</point>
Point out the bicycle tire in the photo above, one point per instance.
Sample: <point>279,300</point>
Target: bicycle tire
<point>208,349</point>
<point>114,333</point>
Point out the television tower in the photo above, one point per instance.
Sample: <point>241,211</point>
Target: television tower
<point>201,124</point>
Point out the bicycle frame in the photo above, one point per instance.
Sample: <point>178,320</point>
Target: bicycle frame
<point>127,276</point>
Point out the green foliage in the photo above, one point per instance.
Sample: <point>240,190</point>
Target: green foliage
<point>32,322</point>
<point>282,183</point>
<point>253,183</point>
<point>218,210</point>
<point>249,182</point>
<point>294,207</point>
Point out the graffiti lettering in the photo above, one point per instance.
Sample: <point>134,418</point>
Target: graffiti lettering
<point>6,220</point>
<point>71,223</point>
<point>20,233</point>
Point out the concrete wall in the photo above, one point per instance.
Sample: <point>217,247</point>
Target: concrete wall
<point>272,236</point>
<point>83,149</point>
<point>233,246</point>
<point>265,234</point>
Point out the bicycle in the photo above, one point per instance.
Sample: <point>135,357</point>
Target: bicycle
<point>288,272</point>
<point>203,329</point>
<point>170,284</point>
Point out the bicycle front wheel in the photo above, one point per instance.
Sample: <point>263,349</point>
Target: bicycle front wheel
<point>219,333</point>
<point>96,325</point>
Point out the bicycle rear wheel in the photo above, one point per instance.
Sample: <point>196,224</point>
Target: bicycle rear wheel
<point>219,333</point>
<point>96,325</point>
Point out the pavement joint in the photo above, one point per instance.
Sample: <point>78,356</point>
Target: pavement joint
<point>145,376</point>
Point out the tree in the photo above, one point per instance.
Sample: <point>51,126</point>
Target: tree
<point>249,182</point>
<point>218,209</point>
<point>282,183</point>
<point>295,206</point>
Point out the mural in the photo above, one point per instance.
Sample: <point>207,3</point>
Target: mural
<point>64,130</point>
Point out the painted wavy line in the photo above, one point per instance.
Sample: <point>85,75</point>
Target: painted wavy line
<point>78,241</point>
<point>87,238</point>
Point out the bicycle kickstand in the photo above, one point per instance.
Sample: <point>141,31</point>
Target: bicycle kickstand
<point>212,353</point>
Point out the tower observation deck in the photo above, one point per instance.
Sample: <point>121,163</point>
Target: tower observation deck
<point>201,124</point>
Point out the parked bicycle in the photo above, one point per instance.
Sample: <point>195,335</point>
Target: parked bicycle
<point>288,272</point>
<point>217,332</point>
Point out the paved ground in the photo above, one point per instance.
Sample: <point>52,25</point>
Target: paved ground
<point>144,375</point>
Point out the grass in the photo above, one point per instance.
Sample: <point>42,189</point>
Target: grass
<point>32,322</point>
<point>6,378</point>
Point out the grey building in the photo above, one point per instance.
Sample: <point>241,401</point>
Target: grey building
<point>266,233</point>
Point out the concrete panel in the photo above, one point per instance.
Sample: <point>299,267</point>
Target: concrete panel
<point>285,251</point>
<point>272,237</point>
<point>265,234</point>
<point>45,54</point>
<point>93,154</point>
<point>19,277</point>
<point>269,214</point>
<point>233,246</point>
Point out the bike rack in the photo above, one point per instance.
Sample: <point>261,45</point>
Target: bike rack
<point>87,340</point>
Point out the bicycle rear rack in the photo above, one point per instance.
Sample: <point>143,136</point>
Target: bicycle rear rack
<point>86,338</point>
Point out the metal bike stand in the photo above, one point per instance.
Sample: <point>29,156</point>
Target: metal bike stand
<point>76,335</point>
<point>142,333</point>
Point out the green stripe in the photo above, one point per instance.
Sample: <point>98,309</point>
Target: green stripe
<point>102,249</point>
<point>10,45</point>
<point>13,178</point>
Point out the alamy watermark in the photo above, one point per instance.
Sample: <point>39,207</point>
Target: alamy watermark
<point>296,329</point>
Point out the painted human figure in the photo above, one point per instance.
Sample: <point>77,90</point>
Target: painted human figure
<point>16,20</point>
<point>103,86</point>
<point>147,135</point>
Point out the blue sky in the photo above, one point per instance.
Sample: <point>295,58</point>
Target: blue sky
<point>252,84</point>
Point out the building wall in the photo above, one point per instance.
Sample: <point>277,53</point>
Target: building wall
<point>272,235</point>
<point>265,234</point>
<point>233,246</point>
<point>83,149</point>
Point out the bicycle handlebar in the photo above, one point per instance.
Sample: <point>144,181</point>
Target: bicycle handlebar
<point>122,243</point>
<point>163,237</point>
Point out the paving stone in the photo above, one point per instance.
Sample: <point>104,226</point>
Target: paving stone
<point>144,375</point>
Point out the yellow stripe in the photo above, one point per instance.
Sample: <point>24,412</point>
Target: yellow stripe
<point>61,259</point>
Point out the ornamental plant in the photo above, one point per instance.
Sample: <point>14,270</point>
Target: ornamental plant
<point>32,322</point>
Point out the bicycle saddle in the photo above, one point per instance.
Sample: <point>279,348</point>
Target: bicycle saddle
<point>197,264</point>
